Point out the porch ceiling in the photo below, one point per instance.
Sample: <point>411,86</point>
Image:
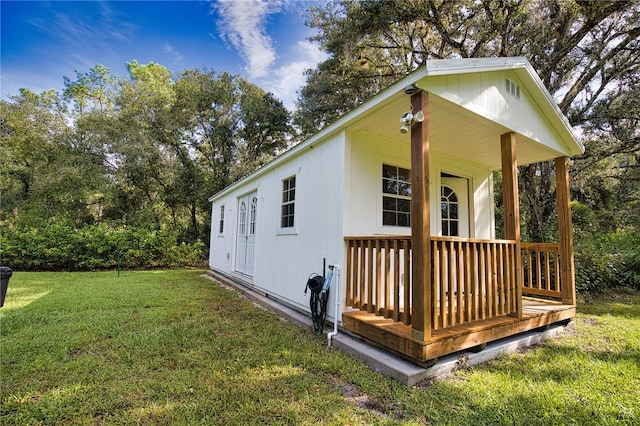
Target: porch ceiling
<point>453,131</point>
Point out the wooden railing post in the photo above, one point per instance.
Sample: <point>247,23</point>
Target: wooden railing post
<point>512,207</point>
<point>565,232</point>
<point>420,222</point>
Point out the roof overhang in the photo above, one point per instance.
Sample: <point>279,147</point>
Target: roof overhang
<point>457,129</point>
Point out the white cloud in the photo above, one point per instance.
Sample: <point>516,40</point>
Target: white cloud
<point>176,56</point>
<point>242,23</point>
<point>289,78</point>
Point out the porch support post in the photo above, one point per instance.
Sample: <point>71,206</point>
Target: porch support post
<point>420,222</point>
<point>512,209</point>
<point>565,233</point>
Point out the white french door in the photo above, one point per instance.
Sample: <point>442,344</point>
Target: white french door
<point>246,235</point>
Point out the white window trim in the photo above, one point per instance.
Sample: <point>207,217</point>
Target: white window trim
<point>385,229</point>
<point>222,214</point>
<point>289,230</point>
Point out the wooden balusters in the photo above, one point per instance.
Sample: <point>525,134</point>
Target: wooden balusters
<point>472,280</point>
<point>541,269</point>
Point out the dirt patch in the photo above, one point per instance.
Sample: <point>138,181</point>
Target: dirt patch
<point>353,395</point>
<point>423,384</point>
<point>591,322</point>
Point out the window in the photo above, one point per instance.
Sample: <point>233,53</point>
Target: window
<point>242,221</point>
<point>513,89</point>
<point>449,210</point>
<point>288,202</point>
<point>221,228</point>
<point>396,196</point>
<point>252,216</point>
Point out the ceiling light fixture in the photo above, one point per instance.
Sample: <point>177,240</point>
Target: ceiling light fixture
<point>408,119</point>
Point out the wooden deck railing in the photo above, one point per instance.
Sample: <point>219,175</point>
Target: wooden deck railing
<point>473,279</point>
<point>541,269</point>
<point>378,276</point>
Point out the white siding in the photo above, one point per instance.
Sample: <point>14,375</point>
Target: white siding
<point>367,154</point>
<point>284,258</point>
<point>485,94</point>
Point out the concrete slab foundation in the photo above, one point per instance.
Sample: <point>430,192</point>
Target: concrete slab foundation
<point>386,363</point>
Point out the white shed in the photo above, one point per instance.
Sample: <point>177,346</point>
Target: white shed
<point>406,209</point>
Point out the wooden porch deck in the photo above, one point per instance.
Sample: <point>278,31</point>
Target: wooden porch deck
<point>396,336</point>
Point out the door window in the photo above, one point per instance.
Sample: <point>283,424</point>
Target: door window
<point>252,216</point>
<point>242,220</point>
<point>449,210</point>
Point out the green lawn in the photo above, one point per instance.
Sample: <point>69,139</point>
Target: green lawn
<point>170,347</point>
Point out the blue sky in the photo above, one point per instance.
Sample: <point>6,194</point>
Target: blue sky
<point>262,40</point>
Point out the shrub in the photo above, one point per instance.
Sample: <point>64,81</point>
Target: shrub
<point>605,261</point>
<point>60,247</point>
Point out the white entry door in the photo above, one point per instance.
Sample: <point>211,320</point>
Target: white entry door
<point>454,207</point>
<point>246,236</point>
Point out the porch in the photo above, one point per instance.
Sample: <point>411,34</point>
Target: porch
<point>424,296</point>
<point>476,296</point>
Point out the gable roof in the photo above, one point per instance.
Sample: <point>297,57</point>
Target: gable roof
<point>469,110</point>
<point>525,73</point>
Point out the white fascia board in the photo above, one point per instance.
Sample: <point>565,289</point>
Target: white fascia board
<point>325,134</point>
<point>472,65</point>
<point>550,108</point>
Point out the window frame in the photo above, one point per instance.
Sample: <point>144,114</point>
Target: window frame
<point>253,210</point>
<point>287,205</point>
<point>447,222</point>
<point>401,182</point>
<point>221,220</point>
<point>242,218</point>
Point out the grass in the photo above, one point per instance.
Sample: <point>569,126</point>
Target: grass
<point>170,347</point>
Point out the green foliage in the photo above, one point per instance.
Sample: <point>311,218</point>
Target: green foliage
<point>144,151</point>
<point>57,247</point>
<point>604,260</point>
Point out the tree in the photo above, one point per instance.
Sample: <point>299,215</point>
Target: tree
<point>586,53</point>
<point>90,106</point>
<point>91,91</point>
<point>45,176</point>
<point>264,128</point>
<point>143,153</point>
<point>231,126</point>
<point>175,140</point>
